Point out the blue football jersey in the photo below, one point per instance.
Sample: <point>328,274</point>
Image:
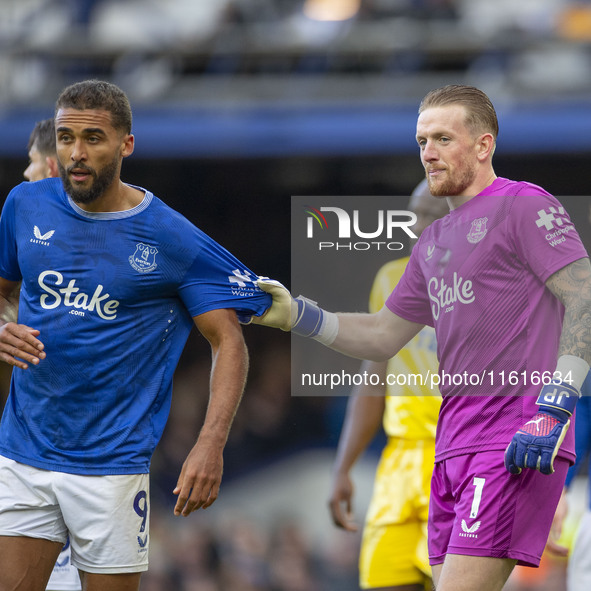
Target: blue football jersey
<point>113,296</point>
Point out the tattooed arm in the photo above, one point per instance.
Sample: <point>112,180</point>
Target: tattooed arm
<point>572,286</point>
<point>537,442</point>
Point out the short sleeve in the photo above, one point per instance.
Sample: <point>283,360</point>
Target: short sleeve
<point>9,267</point>
<point>543,234</point>
<point>218,280</point>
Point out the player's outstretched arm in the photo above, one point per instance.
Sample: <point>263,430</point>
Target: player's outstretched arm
<point>201,474</point>
<point>19,344</point>
<point>375,337</point>
<point>537,443</point>
<point>365,410</point>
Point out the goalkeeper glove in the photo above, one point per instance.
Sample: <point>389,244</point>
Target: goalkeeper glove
<point>280,314</point>
<point>536,444</point>
<point>299,315</point>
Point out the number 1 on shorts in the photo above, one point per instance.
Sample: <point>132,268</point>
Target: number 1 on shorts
<point>478,486</point>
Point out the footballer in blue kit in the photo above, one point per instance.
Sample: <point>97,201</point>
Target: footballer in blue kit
<point>114,296</point>
<point>111,282</point>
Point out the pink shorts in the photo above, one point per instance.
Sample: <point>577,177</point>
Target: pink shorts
<point>478,509</point>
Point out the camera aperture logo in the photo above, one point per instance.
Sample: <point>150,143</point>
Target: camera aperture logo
<point>348,231</point>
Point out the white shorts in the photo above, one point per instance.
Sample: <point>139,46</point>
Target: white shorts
<point>106,516</point>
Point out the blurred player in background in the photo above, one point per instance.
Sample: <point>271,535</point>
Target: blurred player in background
<point>394,553</point>
<point>506,283</point>
<point>112,282</point>
<point>43,165</point>
<point>41,149</point>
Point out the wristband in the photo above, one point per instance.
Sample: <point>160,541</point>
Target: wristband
<point>572,370</point>
<point>558,398</point>
<point>309,317</point>
<point>312,321</point>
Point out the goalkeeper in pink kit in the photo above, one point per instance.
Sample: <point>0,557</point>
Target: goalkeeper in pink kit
<point>506,283</point>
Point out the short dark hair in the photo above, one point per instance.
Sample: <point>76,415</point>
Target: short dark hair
<point>43,137</point>
<point>98,94</point>
<point>480,113</point>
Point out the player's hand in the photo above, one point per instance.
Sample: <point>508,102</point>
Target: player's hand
<point>340,502</point>
<point>198,485</point>
<point>282,312</point>
<point>19,345</point>
<point>536,444</point>
<point>300,315</point>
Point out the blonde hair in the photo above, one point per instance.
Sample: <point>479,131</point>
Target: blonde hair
<point>480,113</point>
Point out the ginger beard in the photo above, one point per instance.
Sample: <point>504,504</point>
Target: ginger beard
<point>454,182</point>
<point>100,181</point>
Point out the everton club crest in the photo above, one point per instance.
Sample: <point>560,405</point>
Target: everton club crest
<point>477,231</point>
<point>143,259</point>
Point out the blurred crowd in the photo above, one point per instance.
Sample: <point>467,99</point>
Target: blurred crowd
<point>159,50</point>
<point>176,22</point>
<point>241,555</point>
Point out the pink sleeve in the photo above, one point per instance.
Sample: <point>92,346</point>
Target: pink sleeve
<point>543,235</point>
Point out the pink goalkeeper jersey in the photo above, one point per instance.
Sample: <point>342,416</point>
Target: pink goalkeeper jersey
<point>478,276</point>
